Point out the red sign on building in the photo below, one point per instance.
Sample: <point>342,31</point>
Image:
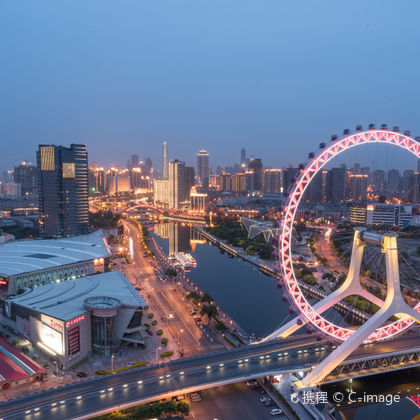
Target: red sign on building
<point>73,340</point>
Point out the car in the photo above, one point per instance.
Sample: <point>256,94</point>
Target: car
<point>211,340</point>
<point>81,374</point>
<point>130,364</point>
<point>204,330</point>
<point>263,399</point>
<point>207,335</point>
<point>269,403</point>
<point>276,411</point>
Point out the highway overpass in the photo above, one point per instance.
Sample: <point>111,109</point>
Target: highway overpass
<point>121,390</point>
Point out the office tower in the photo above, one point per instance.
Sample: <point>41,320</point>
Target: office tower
<point>379,181</point>
<point>63,190</point>
<point>273,181</point>
<point>243,157</point>
<point>160,192</point>
<point>181,179</point>
<point>96,179</point>
<point>289,177</point>
<point>256,166</point>
<point>357,185</point>
<point>118,181</point>
<point>203,168</point>
<point>134,161</point>
<point>165,160</point>
<point>147,167</point>
<point>313,191</point>
<point>225,181</point>
<point>239,181</point>
<point>393,182</point>
<point>336,184</point>
<point>10,190</point>
<point>416,187</point>
<point>215,182</point>
<point>25,175</point>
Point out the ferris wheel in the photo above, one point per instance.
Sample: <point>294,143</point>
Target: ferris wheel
<point>376,328</point>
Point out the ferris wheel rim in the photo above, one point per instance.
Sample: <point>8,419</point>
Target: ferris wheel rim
<point>348,142</point>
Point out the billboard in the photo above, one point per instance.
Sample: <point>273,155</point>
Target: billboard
<point>52,338</point>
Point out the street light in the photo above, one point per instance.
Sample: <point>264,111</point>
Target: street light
<point>112,362</point>
<point>179,335</point>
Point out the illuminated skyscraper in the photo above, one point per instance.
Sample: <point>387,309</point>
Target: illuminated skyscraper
<point>181,179</point>
<point>256,166</point>
<point>203,168</point>
<point>25,175</point>
<point>165,160</point>
<point>63,190</point>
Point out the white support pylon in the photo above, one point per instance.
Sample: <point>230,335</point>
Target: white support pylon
<point>394,305</point>
<point>351,286</point>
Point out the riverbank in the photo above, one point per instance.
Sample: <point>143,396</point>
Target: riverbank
<point>270,268</point>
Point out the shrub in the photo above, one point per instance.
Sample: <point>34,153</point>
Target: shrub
<point>164,341</point>
<point>15,341</point>
<point>166,353</point>
<point>151,315</point>
<point>159,332</point>
<point>147,326</point>
<point>154,322</point>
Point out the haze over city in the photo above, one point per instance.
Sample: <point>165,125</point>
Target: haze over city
<point>276,79</point>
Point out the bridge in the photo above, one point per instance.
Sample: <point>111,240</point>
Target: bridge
<point>135,386</point>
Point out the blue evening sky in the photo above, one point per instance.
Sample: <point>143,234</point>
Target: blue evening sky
<point>274,76</point>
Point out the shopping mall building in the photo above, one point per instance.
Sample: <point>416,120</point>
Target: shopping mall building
<point>69,319</point>
<point>32,263</point>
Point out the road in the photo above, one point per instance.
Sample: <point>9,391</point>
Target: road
<point>164,299</point>
<point>122,389</point>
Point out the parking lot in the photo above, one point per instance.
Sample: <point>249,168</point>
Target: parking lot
<point>232,402</point>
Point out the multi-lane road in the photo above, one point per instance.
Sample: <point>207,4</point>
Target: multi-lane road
<point>124,389</point>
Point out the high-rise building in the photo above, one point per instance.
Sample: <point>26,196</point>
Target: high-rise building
<point>225,181</point>
<point>357,185</point>
<point>147,167</point>
<point>243,157</point>
<point>256,166</point>
<point>379,181</point>
<point>289,177</point>
<point>25,175</point>
<point>165,160</point>
<point>10,190</point>
<point>181,179</point>
<point>336,184</point>
<point>118,181</point>
<point>63,190</point>
<point>393,182</point>
<point>96,179</point>
<point>203,168</point>
<point>160,192</point>
<point>134,161</point>
<point>273,181</point>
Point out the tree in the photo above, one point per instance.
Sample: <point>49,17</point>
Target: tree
<point>193,296</point>
<point>210,311</point>
<point>206,298</point>
<point>171,273</point>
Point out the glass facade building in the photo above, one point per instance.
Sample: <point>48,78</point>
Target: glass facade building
<point>63,190</point>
